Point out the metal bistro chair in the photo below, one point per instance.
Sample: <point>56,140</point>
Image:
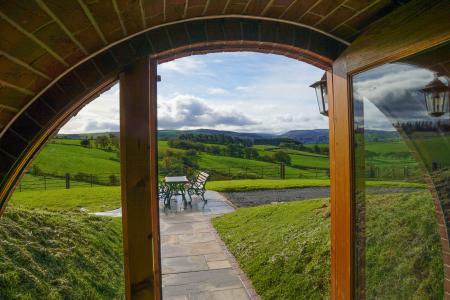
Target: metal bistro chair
<point>163,192</point>
<point>197,187</point>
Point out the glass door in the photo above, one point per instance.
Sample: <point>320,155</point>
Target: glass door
<point>402,177</point>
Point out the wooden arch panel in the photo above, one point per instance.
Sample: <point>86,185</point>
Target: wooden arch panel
<point>31,128</point>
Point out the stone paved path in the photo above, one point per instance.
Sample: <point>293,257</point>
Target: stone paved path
<point>195,262</point>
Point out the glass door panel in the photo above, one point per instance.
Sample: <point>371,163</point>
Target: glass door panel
<point>402,177</point>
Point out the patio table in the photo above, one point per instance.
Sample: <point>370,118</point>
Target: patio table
<point>176,186</point>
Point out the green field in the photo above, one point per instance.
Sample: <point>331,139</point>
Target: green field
<point>391,159</point>
<point>284,248</point>
<point>433,149</point>
<point>60,159</point>
<point>59,255</point>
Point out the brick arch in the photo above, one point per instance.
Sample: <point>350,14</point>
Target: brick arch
<point>26,135</point>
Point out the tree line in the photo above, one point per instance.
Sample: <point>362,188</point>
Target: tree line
<point>109,142</point>
<point>233,150</point>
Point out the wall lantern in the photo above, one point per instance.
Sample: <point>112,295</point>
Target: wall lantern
<point>436,97</point>
<point>321,93</point>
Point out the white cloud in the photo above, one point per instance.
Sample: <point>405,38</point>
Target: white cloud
<point>217,91</point>
<point>244,88</point>
<point>102,114</point>
<point>191,65</point>
<point>232,91</point>
<point>189,112</point>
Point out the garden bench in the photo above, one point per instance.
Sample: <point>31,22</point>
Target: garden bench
<point>197,187</point>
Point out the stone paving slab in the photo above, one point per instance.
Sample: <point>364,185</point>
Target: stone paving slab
<point>195,262</point>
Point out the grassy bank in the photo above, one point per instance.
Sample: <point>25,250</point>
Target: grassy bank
<point>285,248</point>
<point>59,255</point>
<point>98,198</point>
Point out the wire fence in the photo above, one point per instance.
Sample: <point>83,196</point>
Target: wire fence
<point>404,173</point>
<point>43,181</point>
<point>79,179</point>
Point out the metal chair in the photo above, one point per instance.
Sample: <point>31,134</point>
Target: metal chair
<point>197,187</point>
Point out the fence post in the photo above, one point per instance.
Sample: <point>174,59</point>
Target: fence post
<point>45,183</point>
<point>67,181</point>
<point>282,171</point>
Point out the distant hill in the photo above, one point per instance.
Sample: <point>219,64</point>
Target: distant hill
<point>307,136</point>
<point>242,135</point>
<point>167,134</point>
<point>320,136</point>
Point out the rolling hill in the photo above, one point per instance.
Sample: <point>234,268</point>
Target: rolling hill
<point>307,136</point>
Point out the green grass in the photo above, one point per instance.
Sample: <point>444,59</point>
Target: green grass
<point>67,142</point>
<point>432,149</point>
<point>404,254</point>
<point>94,199</point>
<point>298,158</point>
<point>61,159</point>
<point>103,198</point>
<point>255,167</point>
<point>59,255</point>
<point>284,248</point>
<point>264,184</point>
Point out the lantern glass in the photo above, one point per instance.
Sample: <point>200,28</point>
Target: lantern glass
<point>321,94</point>
<point>436,98</point>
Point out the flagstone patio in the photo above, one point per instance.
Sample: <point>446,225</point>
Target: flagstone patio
<point>195,262</point>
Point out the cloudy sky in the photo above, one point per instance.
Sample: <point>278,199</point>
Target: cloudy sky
<point>242,91</point>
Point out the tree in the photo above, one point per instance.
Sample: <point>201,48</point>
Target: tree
<point>85,143</point>
<point>215,150</point>
<point>102,141</point>
<point>281,156</point>
<point>235,150</point>
<point>114,140</point>
<point>316,148</point>
<point>251,153</point>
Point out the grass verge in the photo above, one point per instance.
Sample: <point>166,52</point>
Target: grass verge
<point>285,248</point>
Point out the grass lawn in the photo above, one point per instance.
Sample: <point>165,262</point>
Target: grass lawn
<point>59,255</point>
<point>265,184</point>
<point>285,248</point>
<point>99,198</point>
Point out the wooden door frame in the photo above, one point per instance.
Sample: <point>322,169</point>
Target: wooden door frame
<point>139,180</point>
<point>415,27</point>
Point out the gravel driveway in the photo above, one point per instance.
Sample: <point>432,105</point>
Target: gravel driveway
<point>255,198</point>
